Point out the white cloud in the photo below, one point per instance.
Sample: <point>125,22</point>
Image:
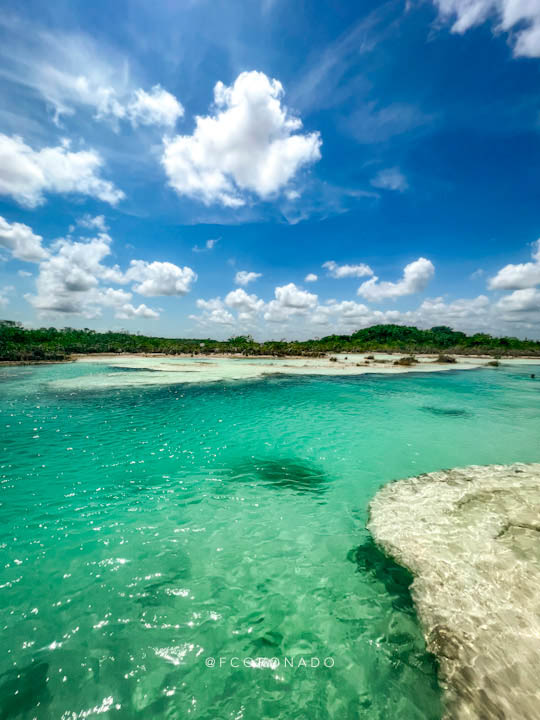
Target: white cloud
<point>72,72</point>
<point>160,278</point>
<point>21,241</point>
<point>210,244</point>
<point>516,277</point>
<point>27,174</point>
<point>289,301</point>
<point>24,274</point>
<point>4,293</point>
<point>74,279</point>
<point>477,274</point>
<point>519,17</point>
<point>390,179</point>
<point>520,301</point>
<point>370,123</point>
<point>157,107</point>
<point>246,305</point>
<point>250,144</point>
<point>464,312</point>
<point>244,277</point>
<point>127,311</point>
<point>468,314</point>
<point>346,271</point>
<point>93,223</point>
<point>290,296</point>
<point>416,277</point>
<point>343,314</point>
<point>311,277</point>
<point>68,281</point>
<point>214,313</point>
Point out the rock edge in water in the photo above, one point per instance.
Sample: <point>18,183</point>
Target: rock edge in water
<point>471,538</point>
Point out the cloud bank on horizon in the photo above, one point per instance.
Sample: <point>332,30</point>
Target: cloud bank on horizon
<point>259,158</point>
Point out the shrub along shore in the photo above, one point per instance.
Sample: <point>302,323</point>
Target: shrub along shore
<point>19,344</point>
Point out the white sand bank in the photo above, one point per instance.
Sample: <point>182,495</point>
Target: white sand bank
<point>166,370</point>
<point>471,538</point>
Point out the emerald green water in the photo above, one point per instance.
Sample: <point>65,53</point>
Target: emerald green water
<point>145,531</point>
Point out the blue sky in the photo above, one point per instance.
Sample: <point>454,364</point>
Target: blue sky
<point>284,169</point>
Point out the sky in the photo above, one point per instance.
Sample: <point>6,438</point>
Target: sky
<point>280,169</point>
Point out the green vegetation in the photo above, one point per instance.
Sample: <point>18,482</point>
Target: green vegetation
<point>49,344</point>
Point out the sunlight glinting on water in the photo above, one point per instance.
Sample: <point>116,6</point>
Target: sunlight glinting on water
<point>145,530</point>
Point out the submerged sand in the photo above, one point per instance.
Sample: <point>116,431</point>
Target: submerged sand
<point>471,538</point>
<point>167,369</point>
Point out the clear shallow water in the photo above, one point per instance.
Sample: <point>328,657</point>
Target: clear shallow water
<point>145,530</point>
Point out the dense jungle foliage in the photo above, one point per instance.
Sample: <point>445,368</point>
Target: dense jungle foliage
<point>48,344</point>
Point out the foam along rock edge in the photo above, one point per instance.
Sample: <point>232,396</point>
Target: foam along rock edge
<point>471,538</point>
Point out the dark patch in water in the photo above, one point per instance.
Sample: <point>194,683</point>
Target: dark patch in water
<point>21,689</point>
<point>284,474</point>
<point>397,580</point>
<point>447,412</point>
<point>115,368</point>
<point>405,644</point>
<point>270,639</point>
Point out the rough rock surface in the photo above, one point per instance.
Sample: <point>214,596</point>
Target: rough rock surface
<point>471,538</point>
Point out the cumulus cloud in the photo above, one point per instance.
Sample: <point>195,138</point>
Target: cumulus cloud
<point>74,278</point>
<point>416,277</point>
<point>516,277</point>
<point>390,179</point>
<point>21,241</point>
<point>296,313</point>
<point>289,300</point>
<point>247,306</point>
<point>345,314</point>
<point>290,296</point>
<point>311,277</point>
<point>520,17</point>
<point>251,144</point>
<point>157,107</point>
<point>92,223</point>
<point>214,313</point>
<point>463,313</point>
<point>27,175</point>
<point>243,277</point>
<point>128,311</point>
<point>520,301</point>
<point>160,278</point>
<point>346,271</point>
<point>68,281</point>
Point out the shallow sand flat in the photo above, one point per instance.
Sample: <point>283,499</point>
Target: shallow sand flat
<point>166,370</point>
<point>471,538</point>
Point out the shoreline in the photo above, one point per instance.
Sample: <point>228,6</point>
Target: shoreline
<point>137,370</point>
<point>81,357</point>
<point>469,536</point>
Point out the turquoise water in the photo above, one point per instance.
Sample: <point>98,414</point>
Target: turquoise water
<point>145,531</point>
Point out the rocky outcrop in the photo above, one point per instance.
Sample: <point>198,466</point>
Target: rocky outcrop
<point>471,539</point>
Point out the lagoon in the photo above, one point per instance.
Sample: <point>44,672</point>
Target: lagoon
<point>147,528</point>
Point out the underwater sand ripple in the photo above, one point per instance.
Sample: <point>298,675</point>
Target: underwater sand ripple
<point>471,538</point>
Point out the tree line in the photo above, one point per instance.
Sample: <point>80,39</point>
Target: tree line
<point>18,343</point>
